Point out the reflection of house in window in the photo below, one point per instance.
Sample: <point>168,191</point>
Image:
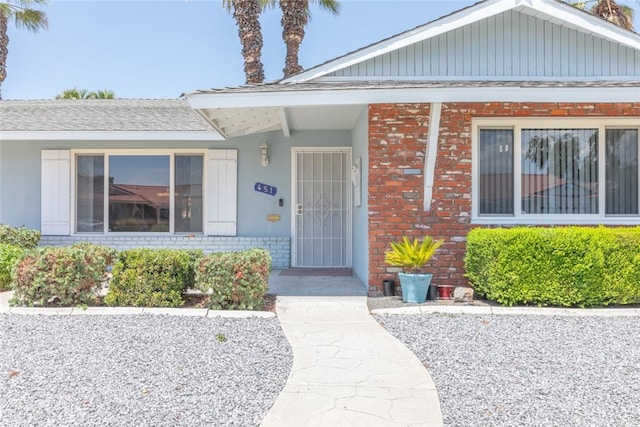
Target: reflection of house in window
<point>496,193</point>
<point>139,196</point>
<point>185,201</point>
<point>138,208</point>
<point>543,193</point>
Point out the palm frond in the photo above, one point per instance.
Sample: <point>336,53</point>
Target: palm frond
<point>413,255</point>
<point>31,19</point>
<point>22,14</point>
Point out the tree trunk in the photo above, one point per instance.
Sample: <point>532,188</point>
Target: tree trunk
<point>247,16</point>
<point>4,48</point>
<point>294,21</point>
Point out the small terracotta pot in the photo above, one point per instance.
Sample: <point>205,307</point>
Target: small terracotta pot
<point>445,291</point>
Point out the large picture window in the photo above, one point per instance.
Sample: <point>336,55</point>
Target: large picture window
<point>556,171</point>
<point>139,193</point>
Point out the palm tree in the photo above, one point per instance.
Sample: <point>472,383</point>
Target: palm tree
<point>101,94</point>
<point>85,94</point>
<point>72,94</point>
<point>247,14</point>
<point>621,15</point>
<point>23,16</point>
<point>295,16</point>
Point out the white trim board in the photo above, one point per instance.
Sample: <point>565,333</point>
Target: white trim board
<point>329,97</point>
<point>111,136</point>
<point>432,153</point>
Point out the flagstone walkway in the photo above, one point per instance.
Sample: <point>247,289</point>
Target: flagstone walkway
<point>347,370</point>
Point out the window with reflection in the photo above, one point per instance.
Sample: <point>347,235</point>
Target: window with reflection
<point>144,193</point>
<point>90,194</point>
<point>560,171</point>
<point>188,193</point>
<point>525,171</point>
<point>139,193</point>
<point>622,172</point>
<point>496,171</point>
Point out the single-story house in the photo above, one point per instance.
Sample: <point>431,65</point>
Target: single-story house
<point>506,112</point>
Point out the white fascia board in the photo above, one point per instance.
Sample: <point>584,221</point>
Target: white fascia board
<point>447,23</point>
<point>400,95</point>
<point>588,22</point>
<point>111,136</point>
<point>343,79</point>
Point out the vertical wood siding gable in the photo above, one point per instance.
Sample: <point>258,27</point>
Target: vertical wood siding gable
<point>222,184</point>
<point>510,44</point>
<point>55,192</point>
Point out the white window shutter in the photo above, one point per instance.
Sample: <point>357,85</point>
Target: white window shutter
<point>222,189</point>
<point>55,192</point>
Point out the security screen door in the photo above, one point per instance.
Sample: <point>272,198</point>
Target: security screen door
<point>321,203</point>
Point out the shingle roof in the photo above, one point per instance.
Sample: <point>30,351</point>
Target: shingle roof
<point>100,115</point>
<point>416,84</point>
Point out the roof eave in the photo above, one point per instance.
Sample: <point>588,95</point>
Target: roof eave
<point>69,135</point>
<point>359,96</point>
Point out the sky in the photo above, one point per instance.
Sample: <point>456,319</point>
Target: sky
<point>155,49</point>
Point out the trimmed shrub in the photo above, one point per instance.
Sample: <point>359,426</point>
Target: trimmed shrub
<point>235,280</point>
<point>23,237</point>
<point>563,266</point>
<point>9,257</point>
<point>61,276</point>
<point>152,277</point>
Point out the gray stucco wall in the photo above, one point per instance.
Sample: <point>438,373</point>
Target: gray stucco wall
<point>360,144</point>
<point>253,207</point>
<point>20,175</point>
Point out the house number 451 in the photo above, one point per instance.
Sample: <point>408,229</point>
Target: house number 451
<point>266,189</point>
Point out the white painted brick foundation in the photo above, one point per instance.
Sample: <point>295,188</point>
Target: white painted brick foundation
<point>278,247</point>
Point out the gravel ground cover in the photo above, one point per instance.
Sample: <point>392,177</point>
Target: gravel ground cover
<point>511,370</point>
<point>140,370</point>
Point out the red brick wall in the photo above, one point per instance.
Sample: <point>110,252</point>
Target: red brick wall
<point>398,136</point>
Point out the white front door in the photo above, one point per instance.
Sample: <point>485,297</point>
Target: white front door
<point>321,207</point>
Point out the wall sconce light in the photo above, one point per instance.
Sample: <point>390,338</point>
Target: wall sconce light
<point>264,154</point>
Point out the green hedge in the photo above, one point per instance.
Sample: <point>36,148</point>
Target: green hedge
<point>152,277</point>
<point>23,237</point>
<point>562,266</point>
<point>9,257</point>
<point>235,280</point>
<point>61,276</point>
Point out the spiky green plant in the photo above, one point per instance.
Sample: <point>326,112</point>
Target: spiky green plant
<point>412,255</point>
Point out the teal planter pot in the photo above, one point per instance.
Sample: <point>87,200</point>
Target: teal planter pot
<point>414,286</point>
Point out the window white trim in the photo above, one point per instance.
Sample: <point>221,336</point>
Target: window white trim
<point>517,124</point>
<point>137,152</point>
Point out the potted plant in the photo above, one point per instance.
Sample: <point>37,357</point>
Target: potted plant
<point>412,257</point>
